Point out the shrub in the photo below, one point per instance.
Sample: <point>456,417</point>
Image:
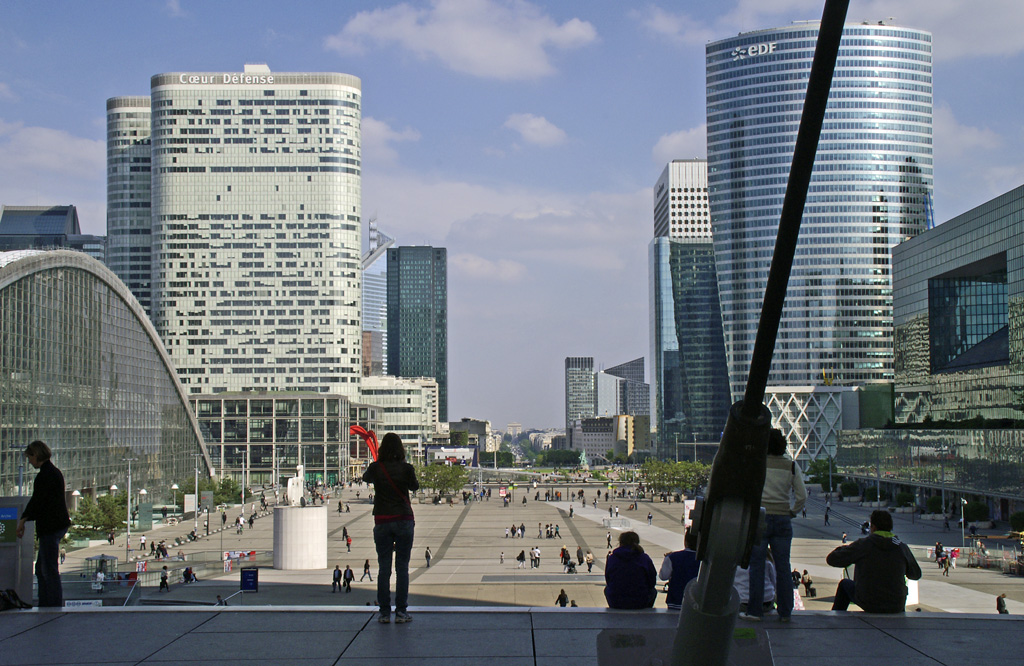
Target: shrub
<point>934,504</point>
<point>975,511</point>
<point>871,494</point>
<point>904,499</point>
<point>849,489</point>
<point>1017,521</point>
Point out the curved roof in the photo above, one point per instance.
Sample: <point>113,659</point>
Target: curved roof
<point>19,264</point>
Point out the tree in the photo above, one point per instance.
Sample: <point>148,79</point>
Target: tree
<point>443,479</point>
<point>505,459</point>
<point>818,472</point>
<point>562,457</point>
<point>95,518</point>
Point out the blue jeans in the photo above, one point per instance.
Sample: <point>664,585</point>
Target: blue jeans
<point>47,571</point>
<point>845,593</point>
<point>778,535</point>
<point>394,538</point>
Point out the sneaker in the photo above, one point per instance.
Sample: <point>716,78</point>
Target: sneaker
<point>384,619</point>
<point>401,617</point>
<point>750,618</point>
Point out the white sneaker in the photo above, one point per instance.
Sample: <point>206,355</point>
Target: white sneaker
<point>750,618</point>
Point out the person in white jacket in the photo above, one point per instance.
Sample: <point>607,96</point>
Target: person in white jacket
<point>783,498</point>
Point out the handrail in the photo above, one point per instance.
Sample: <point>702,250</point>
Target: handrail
<point>135,585</point>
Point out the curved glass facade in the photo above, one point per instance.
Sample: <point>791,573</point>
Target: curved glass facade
<point>870,190</point>
<point>82,369</point>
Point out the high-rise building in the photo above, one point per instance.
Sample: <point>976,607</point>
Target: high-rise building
<point>408,407</point>
<point>580,393</point>
<point>635,392</point>
<point>256,229</point>
<point>129,217</point>
<point>418,316</point>
<point>690,392</point>
<point>870,190</point>
<point>375,303</point>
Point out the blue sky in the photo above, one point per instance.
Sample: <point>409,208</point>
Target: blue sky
<point>524,137</point>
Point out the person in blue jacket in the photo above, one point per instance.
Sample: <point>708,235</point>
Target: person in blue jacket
<point>630,576</point>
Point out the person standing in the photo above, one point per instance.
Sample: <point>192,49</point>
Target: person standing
<point>426,556</point>
<point>347,577</point>
<point>348,543</point>
<point>521,560</point>
<point>579,555</point>
<point>48,510</point>
<point>650,518</point>
<point>781,480</point>
<point>589,560</point>
<point>1001,604</point>
<point>164,585</point>
<point>562,599</point>
<point>394,525</point>
<point>336,578</point>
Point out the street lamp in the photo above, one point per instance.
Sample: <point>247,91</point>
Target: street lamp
<point>128,537</point>
<point>76,495</point>
<point>963,524</point>
<point>174,495</point>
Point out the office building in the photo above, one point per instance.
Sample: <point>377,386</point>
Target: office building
<point>82,369</point>
<point>689,389</point>
<point>129,217</point>
<point>580,392</point>
<point>870,190</point>
<point>47,227</point>
<point>418,316</point>
<point>471,432</point>
<point>260,438</point>
<point>375,303</point>
<point>256,232</point>
<point>408,407</point>
<point>959,318</point>
<point>635,393</point>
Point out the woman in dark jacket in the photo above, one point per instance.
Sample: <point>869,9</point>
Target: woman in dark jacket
<point>393,479</point>
<point>630,575</point>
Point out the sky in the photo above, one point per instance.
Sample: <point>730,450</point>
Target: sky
<point>524,137</point>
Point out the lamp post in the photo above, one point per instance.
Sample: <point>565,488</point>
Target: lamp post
<point>174,496</point>
<point>128,536</point>
<point>195,488</point>
<point>694,447</point>
<point>963,524</point>
<point>76,494</point>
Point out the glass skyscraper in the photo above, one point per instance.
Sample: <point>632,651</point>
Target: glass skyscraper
<point>870,190</point>
<point>418,316</point>
<point>129,217</point>
<point>256,229</point>
<point>580,392</point>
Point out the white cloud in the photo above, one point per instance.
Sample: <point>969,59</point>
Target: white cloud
<point>954,141</point>
<point>377,137</point>
<point>40,166</point>
<point>500,39</point>
<point>537,130</point>
<point>681,145</point>
<point>6,93</point>
<point>678,28</point>
<point>475,267</point>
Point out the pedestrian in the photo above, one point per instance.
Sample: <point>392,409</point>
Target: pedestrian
<point>781,480</point>
<point>426,556</point>
<point>650,518</point>
<point>1001,604</point>
<point>348,576</point>
<point>336,578</point>
<point>570,510</point>
<point>844,537</point>
<point>579,554</point>
<point>394,525</point>
<point>521,560</point>
<point>507,532</point>
<point>828,510</point>
<point>340,507</point>
<point>562,599</point>
<point>501,558</point>
<point>536,556</point>
<point>348,543</point>
<point>608,538</point>
<point>808,583</point>
<point>63,554</point>
<point>50,513</point>
<point>366,571</point>
<point>589,560</point>
<point>163,580</point>
<point>220,601</point>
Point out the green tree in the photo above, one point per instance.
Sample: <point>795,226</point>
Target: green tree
<point>818,472</point>
<point>444,479</point>
<point>95,518</point>
<point>505,459</point>
<point>562,457</point>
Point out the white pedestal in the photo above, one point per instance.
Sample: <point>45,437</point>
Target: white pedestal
<point>300,537</point>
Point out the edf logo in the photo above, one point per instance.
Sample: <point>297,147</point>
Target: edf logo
<point>755,50</point>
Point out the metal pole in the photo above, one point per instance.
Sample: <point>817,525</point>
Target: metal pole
<point>963,523</point>
<point>728,519</point>
<point>128,501</point>
<point>694,447</point>
<point>195,490</point>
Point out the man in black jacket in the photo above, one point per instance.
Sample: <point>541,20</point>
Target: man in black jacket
<point>48,509</point>
<point>882,562</point>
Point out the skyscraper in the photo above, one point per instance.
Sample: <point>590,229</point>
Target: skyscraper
<point>375,303</point>
<point>418,316</point>
<point>256,229</point>
<point>580,392</point>
<point>870,190</point>
<point>690,395</point>
<point>635,392</point>
<point>129,217</point>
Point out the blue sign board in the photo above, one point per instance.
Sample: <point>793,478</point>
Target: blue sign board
<point>250,579</point>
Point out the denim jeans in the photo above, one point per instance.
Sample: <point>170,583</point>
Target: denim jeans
<point>394,538</point>
<point>47,571</point>
<point>778,535</point>
<point>844,595</point>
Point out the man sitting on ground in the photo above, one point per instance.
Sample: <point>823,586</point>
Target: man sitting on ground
<point>882,561</point>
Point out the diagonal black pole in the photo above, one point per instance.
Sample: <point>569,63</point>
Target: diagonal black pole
<point>729,518</point>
